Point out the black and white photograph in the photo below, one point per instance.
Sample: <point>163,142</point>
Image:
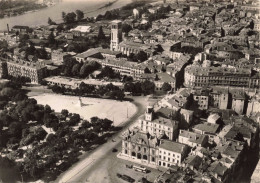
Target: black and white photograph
<point>138,91</point>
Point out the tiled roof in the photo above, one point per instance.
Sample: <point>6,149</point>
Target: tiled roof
<point>172,146</point>
<point>207,127</point>
<point>165,121</point>
<point>193,137</point>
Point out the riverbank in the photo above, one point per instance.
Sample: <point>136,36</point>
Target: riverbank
<point>89,7</point>
<point>108,4</point>
<point>20,10</point>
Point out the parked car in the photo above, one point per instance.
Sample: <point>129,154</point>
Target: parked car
<point>118,175</point>
<point>127,178</point>
<point>129,166</point>
<point>114,150</point>
<point>143,180</point>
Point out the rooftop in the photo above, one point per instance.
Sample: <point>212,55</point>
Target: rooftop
<point>165,121</point>
<point>172,146</point>
<point>192,136</point>
<point>81,28</point>
<point>220,71</point>
<point>207,127</point>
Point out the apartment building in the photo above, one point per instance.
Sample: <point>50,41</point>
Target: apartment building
<point>196,76</point>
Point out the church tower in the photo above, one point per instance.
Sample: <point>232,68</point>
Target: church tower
<point>116,35</point>
<point>149,113</point>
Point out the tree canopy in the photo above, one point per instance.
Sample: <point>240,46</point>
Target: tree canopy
<point>80,15</point>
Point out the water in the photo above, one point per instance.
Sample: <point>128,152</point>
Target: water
<point>89,7</point>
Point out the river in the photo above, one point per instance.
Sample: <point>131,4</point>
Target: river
<point>40,17</point>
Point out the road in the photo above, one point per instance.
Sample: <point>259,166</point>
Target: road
<point>77,172</point>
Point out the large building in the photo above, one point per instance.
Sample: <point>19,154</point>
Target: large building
<point>171,153</point>
<point>196,76</point>
<point>140,147</point>
<point>34,71</point>
<point>124,67</point>
<point>157,125</point>
<point>146,149</point>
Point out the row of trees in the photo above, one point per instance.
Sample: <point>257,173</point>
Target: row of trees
<point>136,88</point>
<point>108,91</point>
<point>146,87</point>
<point>72,68</point>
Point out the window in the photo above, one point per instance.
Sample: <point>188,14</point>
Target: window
<point>173,155</point>
<point>144,150</point>
<point>139,148</point>
<point>169,159</point>
<point>125,151</point>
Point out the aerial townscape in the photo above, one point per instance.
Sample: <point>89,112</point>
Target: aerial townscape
<point>162,91</point>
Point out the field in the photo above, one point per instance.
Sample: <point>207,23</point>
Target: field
<point>90,107</point>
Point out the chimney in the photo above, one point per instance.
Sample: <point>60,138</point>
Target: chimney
<point>7,28</point>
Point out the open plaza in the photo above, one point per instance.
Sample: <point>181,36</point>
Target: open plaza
<point>113,110</point>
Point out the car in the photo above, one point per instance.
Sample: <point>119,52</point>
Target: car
<point>129,166</point>
<point>118,175</point>
<point>143,180</point>
<point>127,178</point>
<point>114,150</point>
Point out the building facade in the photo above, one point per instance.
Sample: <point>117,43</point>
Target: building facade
<point>196,76</point>
<point>34,71</point>
<point>171,153</point>
<point>146,149</point>
<point>158,126</point>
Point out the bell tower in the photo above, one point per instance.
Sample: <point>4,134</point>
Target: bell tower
<point>149,113</point>
<point>116,35</point>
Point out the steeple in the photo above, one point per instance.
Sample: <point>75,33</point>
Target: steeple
<point>149,113</point>
<point>116,34</point>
